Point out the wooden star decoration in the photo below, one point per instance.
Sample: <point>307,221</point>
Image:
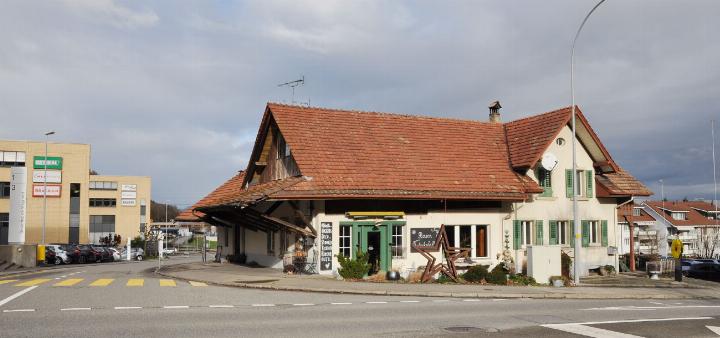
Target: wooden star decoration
<point>450,253</point>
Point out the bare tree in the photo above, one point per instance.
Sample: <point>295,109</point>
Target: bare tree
<point>707,242</point>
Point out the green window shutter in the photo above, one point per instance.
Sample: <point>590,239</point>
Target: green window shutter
<point>585,233</point>
<point>590,180</point>
<point>572,231</point>
<point>517,233</point>
<point>553,233</point>
<point>604,232</point>
<point>539,232</point>
<point>568,183</point>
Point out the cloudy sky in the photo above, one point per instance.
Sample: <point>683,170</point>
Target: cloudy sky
<point>176,90</point>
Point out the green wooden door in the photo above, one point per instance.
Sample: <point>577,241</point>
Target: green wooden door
<point>368,234</point>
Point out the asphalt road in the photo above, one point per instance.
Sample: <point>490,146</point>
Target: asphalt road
<point>128,300</point>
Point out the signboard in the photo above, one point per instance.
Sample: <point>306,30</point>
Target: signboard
<point>127,202</point>
<point>52,162</point>
<point>53,176</point>
<point>53,190</point>
<point>423,237</point>
<point>128,187</point>
<point>18,205</point>
<point>676,248</point>
<point>325,246</point>
<point>128,195</point>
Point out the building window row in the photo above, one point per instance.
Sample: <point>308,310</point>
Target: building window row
<point>103,185</point>
<point>12,158</point>
<point>103,202</point>
<point>527,232</point>
<point>102,223</point>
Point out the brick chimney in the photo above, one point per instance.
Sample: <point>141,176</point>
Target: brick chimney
<point>495,112</point>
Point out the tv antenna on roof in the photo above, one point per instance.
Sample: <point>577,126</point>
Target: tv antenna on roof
<point>293,84</point>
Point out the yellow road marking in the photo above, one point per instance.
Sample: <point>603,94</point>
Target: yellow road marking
<point>33,282</point>
<point>7,281</point>
<point>197,283</point>
<point>102,282</point>
<point>167,282</point>
<point>135,282</point>
<point>69,282</point>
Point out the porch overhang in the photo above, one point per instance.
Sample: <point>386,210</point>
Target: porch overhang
<point>254,220</point>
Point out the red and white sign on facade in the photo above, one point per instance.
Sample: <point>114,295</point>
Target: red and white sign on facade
<point>53,190</point>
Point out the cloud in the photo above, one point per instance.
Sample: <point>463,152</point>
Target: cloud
<point>109,12</point>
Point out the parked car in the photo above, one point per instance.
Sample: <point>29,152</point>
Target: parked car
<point>89,254</point>
<point>705,270</point>
<point>135,254</point>
<point>170,251</point>
<point>116,254</point>
<point>61,255</point>
<point>103,252</point>
<point>49,255</point>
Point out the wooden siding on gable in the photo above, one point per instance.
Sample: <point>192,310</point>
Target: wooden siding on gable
<point>279,163</point>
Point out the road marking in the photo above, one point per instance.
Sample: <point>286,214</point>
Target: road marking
<point>375,302</point>
<point>69,282</point>
<point>303,304</point>
<point>409,301</point>
<point>33,282</point>
<point>176,307</point>
<point>498,300</point>
<point>76,309</point>
<point>262,305</point>
<point>102,282</point>
<point>652,308</point>
<point>167,282</point>
<point>20,310</point>
<point>222,306</point>
<point>656,303</point>
<point>441,300</point>
<point>340,303</point>
<point>128,307</point>
<point>471,300</point>
<point>16,295</point>
<point>193,283</point>
<point>714,329</point>
<point>7,281</point>
<point>135,282</point>
<point>585,330</point>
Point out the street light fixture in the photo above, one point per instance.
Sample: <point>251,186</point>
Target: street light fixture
<point>47,136</point>
<point>576,216</point>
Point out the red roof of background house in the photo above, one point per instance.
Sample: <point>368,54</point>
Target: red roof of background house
<point>231,187</point>
<point>627,211</point>
<point>694,217</point>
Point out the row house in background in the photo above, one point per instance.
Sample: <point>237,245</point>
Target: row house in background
<point>322,182</point>
<point>645,231</point>
<point>685,220</point>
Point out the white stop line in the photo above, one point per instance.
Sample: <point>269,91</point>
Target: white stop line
<point>584,330</point>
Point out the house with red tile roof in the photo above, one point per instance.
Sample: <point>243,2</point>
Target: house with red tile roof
<point>685,220</point>
<point>644,230</point>
<point>322,182</point>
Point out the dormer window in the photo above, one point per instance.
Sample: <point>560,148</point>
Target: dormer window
<point>636,212</point>
<point>679,216</point>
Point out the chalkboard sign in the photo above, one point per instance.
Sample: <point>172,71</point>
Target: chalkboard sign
<point>325,246</point>
<point>423,237</point>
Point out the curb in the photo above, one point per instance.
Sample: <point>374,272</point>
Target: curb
<point>433,294</point>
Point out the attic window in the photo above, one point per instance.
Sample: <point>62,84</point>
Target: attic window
<point>560,141</point>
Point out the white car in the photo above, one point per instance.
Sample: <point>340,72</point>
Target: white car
<point>116,254</point>
<point>61,256</point>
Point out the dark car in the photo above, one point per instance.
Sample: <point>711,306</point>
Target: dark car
<point>75,253</point>
<point>705,270</point>
<point>88,254</point>
<point>49,255</point>
<point>105,254</point>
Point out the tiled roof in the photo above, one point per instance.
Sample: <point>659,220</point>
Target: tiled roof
<point>694,217</point>
<point>627,211</point>
<point>362,154</point>
<point>529,137</point>
<point>259,192</point>
<point>620,183</point>
<point>227,190</point>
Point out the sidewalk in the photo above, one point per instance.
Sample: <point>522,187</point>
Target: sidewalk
<point>264,278</point>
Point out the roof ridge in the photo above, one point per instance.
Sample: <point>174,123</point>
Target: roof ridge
<point>391,114</point>
<point>539,115</point>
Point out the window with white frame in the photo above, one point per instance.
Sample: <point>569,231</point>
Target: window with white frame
<point>564,231</point>
<point>344,240</point>
<point>398,251</point>
<point>636,212</point>
<point>594,232</point>
<point>680,216</point>
<point>580,185</point>
<point>527,228</point>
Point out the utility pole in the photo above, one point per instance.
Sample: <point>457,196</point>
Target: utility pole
<point>576,216</point>
<point>47,136</point>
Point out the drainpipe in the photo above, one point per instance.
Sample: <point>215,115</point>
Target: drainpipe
<point>631,227</point>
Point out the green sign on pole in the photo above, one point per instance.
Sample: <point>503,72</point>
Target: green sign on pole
<point>52,162</point>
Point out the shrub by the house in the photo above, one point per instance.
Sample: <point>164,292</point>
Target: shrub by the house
<point>353,268</point>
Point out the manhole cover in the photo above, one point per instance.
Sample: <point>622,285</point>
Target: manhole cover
<point>468,329</point>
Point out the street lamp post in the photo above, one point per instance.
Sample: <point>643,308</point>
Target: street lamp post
<point>47,136</point>
<point>576,217</point>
